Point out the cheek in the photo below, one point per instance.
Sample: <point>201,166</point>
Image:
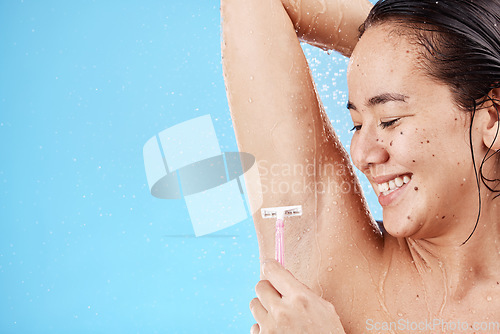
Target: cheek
<point>435,150</point>
<point>413,146</point>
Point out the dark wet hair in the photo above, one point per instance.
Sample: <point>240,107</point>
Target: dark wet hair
<point>460,47</point>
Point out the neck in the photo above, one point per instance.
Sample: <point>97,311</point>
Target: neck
<point>462,266</point>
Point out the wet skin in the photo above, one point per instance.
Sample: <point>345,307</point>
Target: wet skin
<point>419,271</point>
<point>408,124</point>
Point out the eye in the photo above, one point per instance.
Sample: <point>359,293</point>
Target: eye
<point>385,125</point>
<point>355,128</point>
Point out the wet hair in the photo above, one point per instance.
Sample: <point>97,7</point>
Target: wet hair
<point>459,45</point>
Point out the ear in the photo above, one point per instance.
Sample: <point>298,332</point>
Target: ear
<point>491,121</point>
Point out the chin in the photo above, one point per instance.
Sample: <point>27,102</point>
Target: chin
<point>400,226</point>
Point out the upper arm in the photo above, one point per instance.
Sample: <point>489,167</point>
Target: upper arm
<point>278,118</point>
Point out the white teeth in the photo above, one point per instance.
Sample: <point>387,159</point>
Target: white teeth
<point>383,187</point>
<point>388,187</point>
<point>399,182</point>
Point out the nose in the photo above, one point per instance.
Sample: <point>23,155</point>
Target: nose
<point>368,150</point>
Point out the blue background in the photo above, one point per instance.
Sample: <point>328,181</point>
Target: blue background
<point>84,247</point>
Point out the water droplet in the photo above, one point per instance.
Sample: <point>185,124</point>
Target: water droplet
<point>400,314</point>
<point>250,100</point>
<point>489,298</point>
<point>330,268</point>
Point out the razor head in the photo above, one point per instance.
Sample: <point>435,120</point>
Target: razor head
<point>284,211</point>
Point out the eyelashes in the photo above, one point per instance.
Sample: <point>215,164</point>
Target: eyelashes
<point>355,128</point>
<point>383,125</point>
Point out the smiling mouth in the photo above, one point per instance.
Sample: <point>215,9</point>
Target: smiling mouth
<point>388,187</point>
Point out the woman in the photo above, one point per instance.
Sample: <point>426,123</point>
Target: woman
<point>423,83</point>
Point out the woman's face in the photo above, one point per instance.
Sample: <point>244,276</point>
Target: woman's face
<point>411,140</point>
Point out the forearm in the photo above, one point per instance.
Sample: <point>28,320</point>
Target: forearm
<point>328,24</point>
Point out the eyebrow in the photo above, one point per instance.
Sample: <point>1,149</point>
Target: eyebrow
<point>381,99</point>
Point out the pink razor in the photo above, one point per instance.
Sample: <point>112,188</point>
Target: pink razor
<point>279,213</point>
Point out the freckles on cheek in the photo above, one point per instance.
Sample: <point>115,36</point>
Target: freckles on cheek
<point>408,146</point>
<point>415,148</point>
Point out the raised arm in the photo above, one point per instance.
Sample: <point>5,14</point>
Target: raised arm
<point>328,24</point>
<point>278,118</point>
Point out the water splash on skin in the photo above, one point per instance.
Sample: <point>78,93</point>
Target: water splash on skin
<point>315,16</point>
<point>296,5</point>
<point>418,251</point>
<point>327,132</point>
<point>419,261</point>
<point>381,283</point>
<point>445,297</point>
<point>380,291</point>
<point>422,267</point>
<point>316,203</point>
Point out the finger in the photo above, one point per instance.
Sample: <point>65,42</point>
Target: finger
<point>255,329</point>
<point>281,279</point>
<point>258,311</point>
<point>267,294</point>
